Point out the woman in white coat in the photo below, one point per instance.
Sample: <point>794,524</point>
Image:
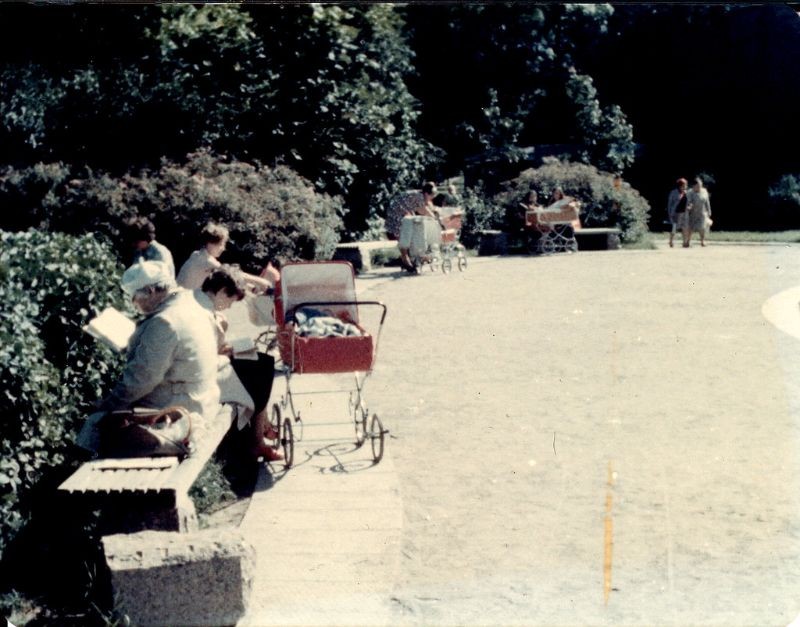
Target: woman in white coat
<point>699,213</point>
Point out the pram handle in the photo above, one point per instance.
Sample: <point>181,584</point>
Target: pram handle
<point>290,314</point>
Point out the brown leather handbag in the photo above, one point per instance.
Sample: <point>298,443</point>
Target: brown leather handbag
<point>145,432</point>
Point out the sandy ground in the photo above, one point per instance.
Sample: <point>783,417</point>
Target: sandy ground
<point>603,438</point>
<point>599,438</point>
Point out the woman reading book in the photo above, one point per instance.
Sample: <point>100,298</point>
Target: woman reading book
<point>223,287</point>
<point>171,358</point>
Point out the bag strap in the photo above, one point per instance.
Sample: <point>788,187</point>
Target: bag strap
<point>140,417</point>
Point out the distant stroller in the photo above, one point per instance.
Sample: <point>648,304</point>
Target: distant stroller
<point>450,218</point>
<point>556,226</point>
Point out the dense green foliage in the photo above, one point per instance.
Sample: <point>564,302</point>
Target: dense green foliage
<point>51,372</point>
<point>366,99</point>
<point>271,212</point>
<point>603,204</point>
<point>784,207</point>
<point>319,88</point>
<point>502,84</point>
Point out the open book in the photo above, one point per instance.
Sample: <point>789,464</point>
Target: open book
<point>243,348</point>
<point>112,327</point>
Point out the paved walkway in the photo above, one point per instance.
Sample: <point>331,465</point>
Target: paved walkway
<point>324,528</point>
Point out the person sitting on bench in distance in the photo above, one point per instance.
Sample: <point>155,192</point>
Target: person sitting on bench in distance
<point>171,358</point>
<point>140,235</point>
<point>223,287</point>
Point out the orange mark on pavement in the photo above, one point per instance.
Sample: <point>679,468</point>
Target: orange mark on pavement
<point>608,539</point>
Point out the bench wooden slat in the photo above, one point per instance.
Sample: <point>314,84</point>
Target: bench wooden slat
<point>143,474</point>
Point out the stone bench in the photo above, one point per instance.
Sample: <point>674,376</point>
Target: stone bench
<point>181,579</point>
<point>492,242</point>
<point>140,493</point>
<point>359,254</point>
<point>598,238</point>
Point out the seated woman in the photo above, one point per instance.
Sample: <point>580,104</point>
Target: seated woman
<point>214,239</point>
<point>223,287</point>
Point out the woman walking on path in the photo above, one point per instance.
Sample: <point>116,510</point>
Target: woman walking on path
<point>699,211</point>
<point>677,198</point>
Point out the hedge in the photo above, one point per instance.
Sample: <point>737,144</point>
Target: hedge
<point>51,372</point>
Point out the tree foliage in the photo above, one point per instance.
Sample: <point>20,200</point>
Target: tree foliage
<point>503,80</point>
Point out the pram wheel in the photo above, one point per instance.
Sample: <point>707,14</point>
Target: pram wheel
<point>376,434</point>
<point>275,423</point>
<point>360,422</point>
<point>447,265</point>
<point>462,263</point>
<point>287,442</point>
<point>546,246</point>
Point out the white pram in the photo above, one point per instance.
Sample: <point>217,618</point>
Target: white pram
<point>422,236</point>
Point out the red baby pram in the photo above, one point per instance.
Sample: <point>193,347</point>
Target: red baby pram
<point>319,332</point>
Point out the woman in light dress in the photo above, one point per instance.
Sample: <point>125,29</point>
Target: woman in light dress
<point>699,212</point>
<point>202,262</point>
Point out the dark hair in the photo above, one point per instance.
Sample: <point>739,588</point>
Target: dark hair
<point>681,181</point>
<point>139,229</point>
<point>226,278</point>
<point>429,187</point>
<point>213,234</point>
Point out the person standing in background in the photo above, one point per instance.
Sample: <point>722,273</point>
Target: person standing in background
<point>676,197</point>
<point>699,212</point>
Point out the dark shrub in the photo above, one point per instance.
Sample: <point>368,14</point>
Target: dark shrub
<point>783,210</point>
<point>479,214</point>
<point>30,194</point>
<point>603,204</point>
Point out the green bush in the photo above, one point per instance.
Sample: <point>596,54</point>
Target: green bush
<point>51,372</point>
<point>29,194</point>
<point>271,212</point>
<point>602,203</point>
<point>479,214</point>
<point>783,209</point>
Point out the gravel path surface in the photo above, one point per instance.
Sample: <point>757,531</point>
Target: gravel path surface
<point>603,438</point>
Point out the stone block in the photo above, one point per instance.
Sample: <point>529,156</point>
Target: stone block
<point>492,243</point>
<point>358,257</point>
<point>168,578</point>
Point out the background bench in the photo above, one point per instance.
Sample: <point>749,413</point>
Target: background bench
<point>598,239</point>
<point>359,254</point>
<point>141,493</point>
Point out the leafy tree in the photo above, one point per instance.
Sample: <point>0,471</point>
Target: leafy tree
<point>487,118</point>
<point>346,119</point>
<point>604,137</point>
<point>320,88</point>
